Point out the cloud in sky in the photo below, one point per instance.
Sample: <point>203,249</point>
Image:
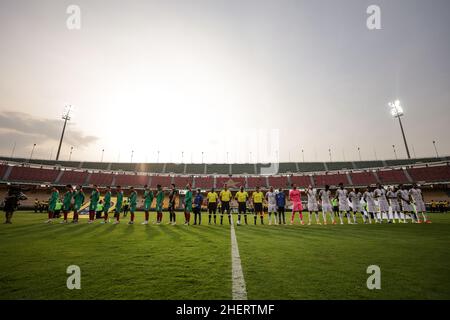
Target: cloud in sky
<point>25,129</point>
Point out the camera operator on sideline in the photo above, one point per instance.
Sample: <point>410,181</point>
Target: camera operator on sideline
<point>11,202</point>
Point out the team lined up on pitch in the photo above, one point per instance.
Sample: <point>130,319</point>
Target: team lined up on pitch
<point>373,204</point>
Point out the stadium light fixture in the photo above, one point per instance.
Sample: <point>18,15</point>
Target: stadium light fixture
<point>435,149</point>
<point>359,153</point>
<point>303,155</point>
<point>397,112</point>
<point>103,152</point>
<point>32,151</point>
<point>395,152</point>
<point>65,117</point>
<point>70,155</point>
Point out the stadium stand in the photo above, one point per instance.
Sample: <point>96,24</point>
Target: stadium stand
<point>182,181</point>
<point>28,174</point>
<point>101,179</point>
<point>3,169</point>
<point>73,177</point>
<point>279,182</point>
<point>287,167</point>
<point>365,178</point>
<point>301,180</point>
<point>311,166</point>
<point>164,181</point>
<point>95,165</point>
<point>122,166</point>
<point>195,168</point>
<point>430,174</point>
<point>243,168</point>
<point>368,164</point>
<point>232,182</point>
<point>217,168</point>
<point>150,167</point>
<point>174,168</point>
<point>131,180</point>
<point>339,166</point>
<point>253,182</point>
<point>392,176</point>
<point>204,182</point>
<point>330,179</point>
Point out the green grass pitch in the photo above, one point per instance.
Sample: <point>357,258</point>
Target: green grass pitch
<point>179,262</point>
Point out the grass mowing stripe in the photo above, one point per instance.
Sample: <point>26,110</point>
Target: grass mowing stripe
<point>238,286</point>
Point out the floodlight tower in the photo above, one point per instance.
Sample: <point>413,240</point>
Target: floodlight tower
<point>397,112</point>
<point>65,117</point>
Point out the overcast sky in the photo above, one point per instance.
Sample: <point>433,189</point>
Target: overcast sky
<point>258,79</point>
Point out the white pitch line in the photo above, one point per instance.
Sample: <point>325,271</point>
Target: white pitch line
<point>239,290</point>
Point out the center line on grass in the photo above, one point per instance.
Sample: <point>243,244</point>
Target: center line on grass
<point>239,290</point>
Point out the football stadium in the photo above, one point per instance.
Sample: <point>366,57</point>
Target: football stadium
<point>217,158</point>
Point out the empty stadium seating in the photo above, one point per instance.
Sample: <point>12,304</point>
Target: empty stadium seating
<point>232,182</point>
<point>164,181</point>
<point>204,182</point>
<point>126,180</point>
<point>27,174</point>
<point>339,166</point>
<point>73,177</point>
<point>182,181</point>
<point>279,182</point>
<point>101,179</point>
<point>330,179</point>
<point>243,168</point>
<point>368,164</point>
<point>253,182</point>
<point>301,181</point>
<point>430,174</point>
<point>3,169</point>
<point>392,176</point>
<point>218,168</point>
<point>174,168</point>
<point>365,178</point>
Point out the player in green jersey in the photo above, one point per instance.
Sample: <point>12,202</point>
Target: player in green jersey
<point>78,198</point>
<point>148,199</point>
<point>52,203</point>
<point>133,203</point>
<point>187,205</point>
<point>119,202</point>
<point>95,197</point>
<point>106,204</point>
<point>67,202</point>
<point>159,203</point>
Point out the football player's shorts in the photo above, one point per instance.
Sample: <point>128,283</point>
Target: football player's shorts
<point>272,208</point>
<point>297,206</point>
<point>344,206</point>
<point>313,206</point>
<point>326,207</point>
<point>384,206</point>
<point>242,207</point>
<point>225,206</point>
<point>420,206</point>
<point>258,207</point>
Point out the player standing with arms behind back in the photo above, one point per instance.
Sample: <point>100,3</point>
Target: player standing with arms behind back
<point>211,199</point>
<point>271,205</point>
<point>172,202</point>
<point>133,204</point>
<point>342,196</point>
<point>78,198</point>
<point>95,196</point>
<point>187,205</point>
<point>159,203</point>
<point>296,199</point>
<point>242,197</point>
<point>313,206</point>
<point>225,198</point>
<point>257,200</point>
<point>325,196</point>
<point>107,204</point>
<point>119,202</point>
<point>148,199</point>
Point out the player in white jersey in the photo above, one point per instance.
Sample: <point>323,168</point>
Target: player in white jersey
<point>313,206</point>
<point>342,196</point>
<point>416,195</point>
<point>393,195</point>
<point>406,203</point>
<point>355,198</point>
<point>325,197</point>
<point>383,205</point>
<point>271,205</point>
<point>371,206</point>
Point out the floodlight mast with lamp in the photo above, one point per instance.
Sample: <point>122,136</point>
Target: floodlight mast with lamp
<point>65,117</point>
<point>397,112</point>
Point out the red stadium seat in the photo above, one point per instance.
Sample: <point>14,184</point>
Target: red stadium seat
<point>430,174</point>
<point>101,179</point>
<point>27,174</point>
<point>278,182</point>
<point>73,177</point>
<point>232,182</point>
<point>164,181</point>
<point>301,181</point>
<point>363,178</point>
<point>3,169</point>
<point>392,176</point>
<point>181,182</point>
<point>254,182</point>
<point>130,180</point>
<point>204,182</point>
<point>330,179</point>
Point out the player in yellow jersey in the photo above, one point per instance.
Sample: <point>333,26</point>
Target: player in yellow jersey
<point>225,198</point>
<point>242,197</point>
<point>257,200</point>
<point>211,199</point>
